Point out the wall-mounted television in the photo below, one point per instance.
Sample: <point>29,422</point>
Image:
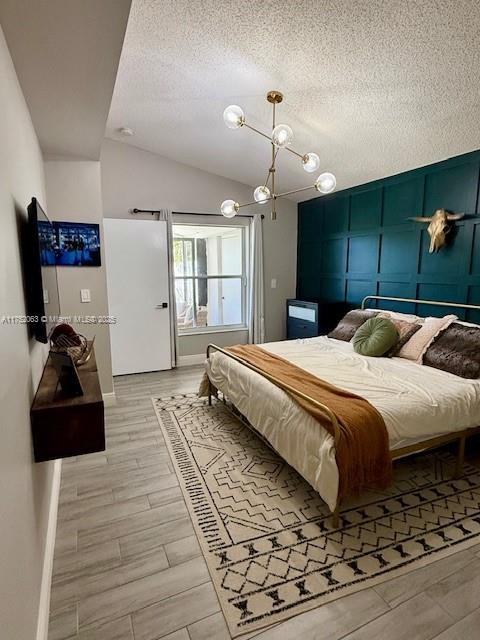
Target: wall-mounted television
<point>43,303</point>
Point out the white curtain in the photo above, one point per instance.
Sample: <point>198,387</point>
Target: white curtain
<point>257,304</point>
<point>166,215</point>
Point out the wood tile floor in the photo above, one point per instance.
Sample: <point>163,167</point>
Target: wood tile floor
<point>128,566</point>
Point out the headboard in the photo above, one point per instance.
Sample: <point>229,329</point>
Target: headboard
<point>433,303</point>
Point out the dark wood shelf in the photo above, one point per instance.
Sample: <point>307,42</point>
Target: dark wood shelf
<point>65,426</point>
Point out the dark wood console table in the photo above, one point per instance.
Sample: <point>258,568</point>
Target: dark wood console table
<point>64,426</point>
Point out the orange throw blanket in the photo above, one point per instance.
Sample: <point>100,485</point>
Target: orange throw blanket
<point>362,450</point>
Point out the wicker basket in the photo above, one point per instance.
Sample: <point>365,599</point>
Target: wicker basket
<point>78,348</point>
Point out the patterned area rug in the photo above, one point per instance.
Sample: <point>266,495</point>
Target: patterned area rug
<point>267,537</point>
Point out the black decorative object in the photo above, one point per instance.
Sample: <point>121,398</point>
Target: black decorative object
<point>67,373</point>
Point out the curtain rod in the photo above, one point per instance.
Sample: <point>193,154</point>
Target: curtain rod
<point>151,211</point>
<point>154,212</point>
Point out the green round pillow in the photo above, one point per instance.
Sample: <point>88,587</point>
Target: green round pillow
<point>375,337</point>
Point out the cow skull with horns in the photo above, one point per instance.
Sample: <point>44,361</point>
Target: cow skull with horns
<point>438,227</point>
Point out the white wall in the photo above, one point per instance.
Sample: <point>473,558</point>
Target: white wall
<point>74,194</point>
<point>25,487</point>
<point>135,178</point>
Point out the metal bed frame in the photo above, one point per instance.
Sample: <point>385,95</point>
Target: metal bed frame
<point>424,445</point>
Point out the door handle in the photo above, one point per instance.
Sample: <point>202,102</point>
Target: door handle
<point>162,305</point>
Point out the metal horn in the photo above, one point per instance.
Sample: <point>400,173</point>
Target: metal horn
<point>420,219</point>
<point>438,227</point>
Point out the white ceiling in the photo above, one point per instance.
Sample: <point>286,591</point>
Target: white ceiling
<point>66,55</point>
<point>374,86</point>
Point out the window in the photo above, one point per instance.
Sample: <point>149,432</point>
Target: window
<point>210,277</point>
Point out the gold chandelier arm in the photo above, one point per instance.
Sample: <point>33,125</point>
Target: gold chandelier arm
<point>295,153</point>
<point>272,173</point>
<point>249,204</point>
<point>267,178</point>
<point>271,168</point>
<point>277,149</point>
<point>274,196</point>
<point>249,126</point>
<point>289,193</point>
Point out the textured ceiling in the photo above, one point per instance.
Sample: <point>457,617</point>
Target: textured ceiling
<point>66,55</point>
<point>374,86</point>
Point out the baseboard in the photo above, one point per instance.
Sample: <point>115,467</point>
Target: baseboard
<point>44,605</point>
<point>188,361</point>
<point>109,399</point>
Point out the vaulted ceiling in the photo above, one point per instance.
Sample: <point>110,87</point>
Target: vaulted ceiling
<point>375,87</point>
<point>66,55</point>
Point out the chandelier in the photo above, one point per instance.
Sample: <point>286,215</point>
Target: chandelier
<point>281,137</point>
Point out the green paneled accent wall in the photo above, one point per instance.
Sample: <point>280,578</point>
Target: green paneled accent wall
<point>359,242</point>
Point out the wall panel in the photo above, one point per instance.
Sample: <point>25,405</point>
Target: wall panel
<point>398,252</point>
<point>398,290</point>
<point>452,188</point>
<point>474,298</point>
<point>438,291</point>
<point>359,241</point>
<point>335,218</point>
<point>475,258</point>
<point>358,289</point>
<point>334,255</point>
<point>332,289</point>
<point>363,254</point>
<point>401,200</point>
<point>365,209</point>
<point>449,261</point>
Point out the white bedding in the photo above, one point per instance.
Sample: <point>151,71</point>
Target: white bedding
<point>416,402</point>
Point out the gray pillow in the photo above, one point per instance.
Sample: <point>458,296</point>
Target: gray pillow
<point>375,337</point>
<point>456,350</point>
<point>345,329</point>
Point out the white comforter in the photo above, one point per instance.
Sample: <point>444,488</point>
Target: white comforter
<point>416,402</point>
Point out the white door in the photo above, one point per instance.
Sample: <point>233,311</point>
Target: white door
<point>138,284</point>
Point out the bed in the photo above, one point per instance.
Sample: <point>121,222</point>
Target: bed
<point>422,407</point>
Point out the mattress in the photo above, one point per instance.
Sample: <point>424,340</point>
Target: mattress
<point>415,401</point>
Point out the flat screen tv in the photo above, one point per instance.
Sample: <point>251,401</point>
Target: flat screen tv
<point>43,301</point>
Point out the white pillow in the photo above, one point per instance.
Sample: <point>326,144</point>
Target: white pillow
<point>423,338</point>
<point>406,317</point>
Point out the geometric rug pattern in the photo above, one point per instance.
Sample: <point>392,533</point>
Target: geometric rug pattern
<point>267,537</point>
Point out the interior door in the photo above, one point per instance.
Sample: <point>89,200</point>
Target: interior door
<point>138,288</point>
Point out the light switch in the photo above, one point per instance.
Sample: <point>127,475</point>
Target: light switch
<point>273,283</point>
<point>46,299</point>
<point>85,295</point>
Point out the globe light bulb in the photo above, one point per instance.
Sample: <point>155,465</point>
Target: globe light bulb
<point>310,162</point>
<point>261,194</point>
<point>282,135</point>
<point>233,116</point>
<point>229,208</point>
<point>326,182</point>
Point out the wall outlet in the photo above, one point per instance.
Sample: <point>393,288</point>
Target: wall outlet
<point>273,283</point>
<point>85,295</point>
<point>46,298</point>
